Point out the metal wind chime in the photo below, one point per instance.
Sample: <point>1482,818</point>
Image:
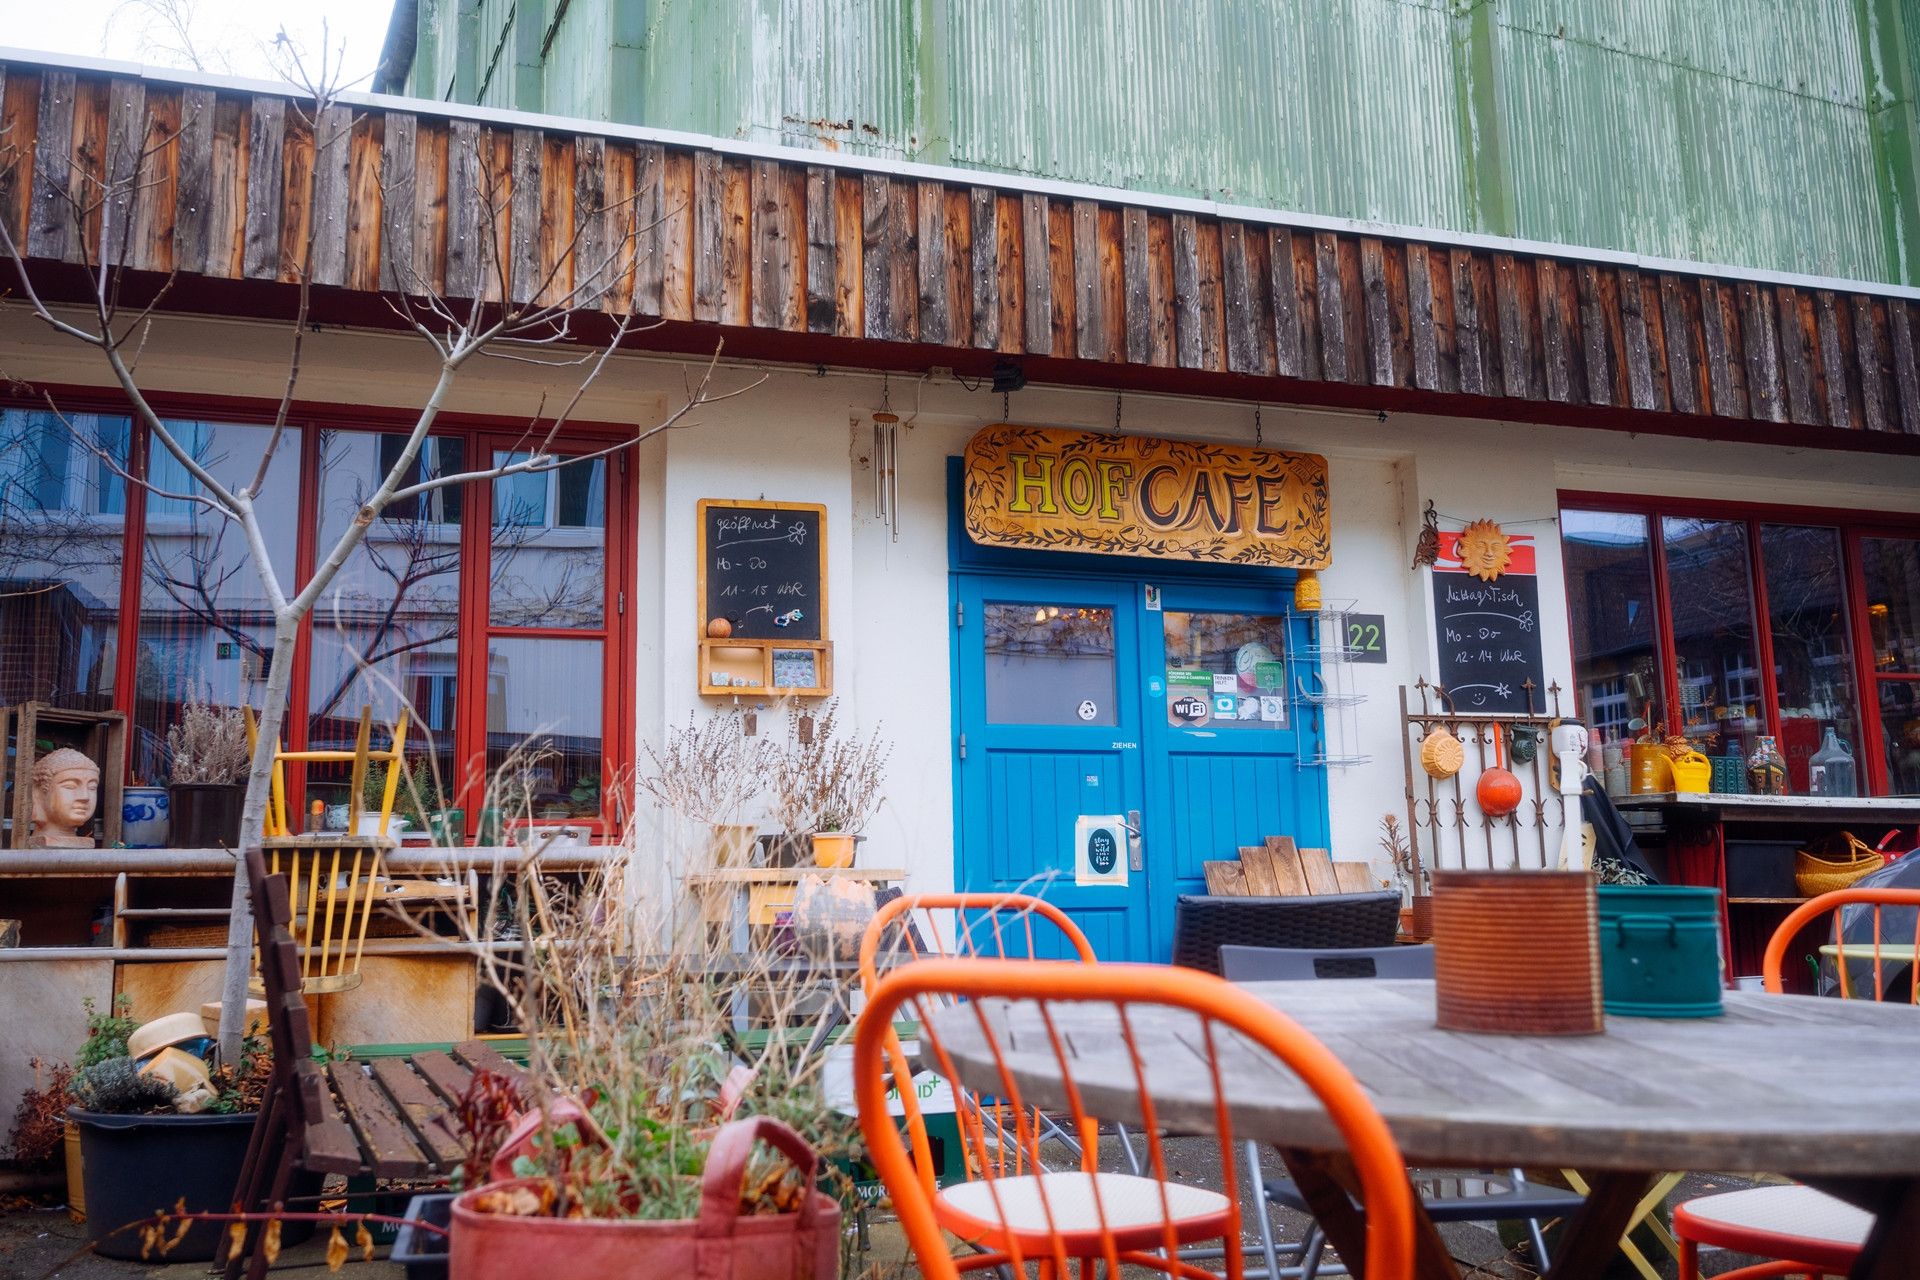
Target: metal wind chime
<point>886,469</point>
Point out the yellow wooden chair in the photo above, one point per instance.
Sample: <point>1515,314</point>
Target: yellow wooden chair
<point>362,757</point>
<point>333,880</point>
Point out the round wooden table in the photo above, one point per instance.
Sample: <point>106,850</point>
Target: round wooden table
<point>1827,1091</point>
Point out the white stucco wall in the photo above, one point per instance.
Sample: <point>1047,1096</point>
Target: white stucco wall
<point>803,437</point>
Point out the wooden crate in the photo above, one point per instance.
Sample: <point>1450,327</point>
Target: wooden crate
<point>100,735</point>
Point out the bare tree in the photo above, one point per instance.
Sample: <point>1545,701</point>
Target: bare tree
<point>457,332</point>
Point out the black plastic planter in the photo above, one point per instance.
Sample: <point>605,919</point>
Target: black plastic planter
<point>206,815</point>
<point>136,1166</point>
<point>423,1253</point>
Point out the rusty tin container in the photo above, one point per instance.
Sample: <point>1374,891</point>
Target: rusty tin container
<point>1517,952</point>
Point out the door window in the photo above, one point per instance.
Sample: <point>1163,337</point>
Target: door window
<point>1050,664</point>
<point>1226,670</point>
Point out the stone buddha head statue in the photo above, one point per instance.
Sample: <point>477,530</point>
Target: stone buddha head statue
<point>66,791</point>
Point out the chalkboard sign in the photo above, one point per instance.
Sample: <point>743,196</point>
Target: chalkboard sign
<point>763,568</point>
<point>1489,642</point>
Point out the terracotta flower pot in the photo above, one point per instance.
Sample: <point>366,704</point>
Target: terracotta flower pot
<point>719,1243</point>
<point>1517,952</point>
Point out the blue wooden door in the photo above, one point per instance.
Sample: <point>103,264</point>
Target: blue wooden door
<point>1229,751</point>
<point>1050,706</point>
<point>1109,695</point>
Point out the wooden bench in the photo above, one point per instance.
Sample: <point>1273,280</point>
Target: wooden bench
<point>390,1118</point>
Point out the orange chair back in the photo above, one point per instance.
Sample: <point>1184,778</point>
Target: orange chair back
<point>1002,926</point>
<point>1886,954</point>
<point>1227,1020</point>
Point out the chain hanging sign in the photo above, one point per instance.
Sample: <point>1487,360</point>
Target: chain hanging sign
<point>1059,490</point>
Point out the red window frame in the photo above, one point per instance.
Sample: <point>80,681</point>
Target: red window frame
<point>1852,526</point>
<point>482,434</point>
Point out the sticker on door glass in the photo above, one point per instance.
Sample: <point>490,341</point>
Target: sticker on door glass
<point>1189,698</point>
<point>1087,709</point>
<point>1099,849</point>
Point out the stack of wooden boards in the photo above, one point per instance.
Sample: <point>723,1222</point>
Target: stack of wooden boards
<point>1278,869</point>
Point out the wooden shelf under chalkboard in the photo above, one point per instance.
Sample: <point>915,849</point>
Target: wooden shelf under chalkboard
<point>766,668</point>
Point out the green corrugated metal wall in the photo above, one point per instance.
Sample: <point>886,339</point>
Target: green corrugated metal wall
<point>1768,133</point>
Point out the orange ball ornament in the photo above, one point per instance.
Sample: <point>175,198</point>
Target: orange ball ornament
<point>719,628</point>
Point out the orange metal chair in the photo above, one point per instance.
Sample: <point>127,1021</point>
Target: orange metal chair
<point>1052,1219</point>
<point>1812,1233</point>
<point>1002,926</point>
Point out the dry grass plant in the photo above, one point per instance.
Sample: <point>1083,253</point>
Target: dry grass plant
<point>707,772</point>
<point>645,1040</point>
<point>629,1005</point>
<point>209,745</point>
<point>823,780</point>
<point>1410,874</point>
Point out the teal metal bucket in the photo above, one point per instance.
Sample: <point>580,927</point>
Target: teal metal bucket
<point>1660,950</point>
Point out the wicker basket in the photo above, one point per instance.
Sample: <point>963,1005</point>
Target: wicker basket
<point>1834,862</point>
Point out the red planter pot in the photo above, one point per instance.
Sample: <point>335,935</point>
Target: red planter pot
<point>718,1245</point>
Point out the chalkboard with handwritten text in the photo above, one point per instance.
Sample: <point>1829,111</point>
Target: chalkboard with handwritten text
<point>763,568</point>
<point>1488,635</point>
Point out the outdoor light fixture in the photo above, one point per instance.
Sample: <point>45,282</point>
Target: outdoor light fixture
<point>1008,377</point>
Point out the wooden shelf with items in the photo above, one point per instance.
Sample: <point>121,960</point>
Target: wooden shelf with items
<point>771,668</point>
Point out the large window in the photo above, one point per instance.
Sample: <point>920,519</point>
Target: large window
<point>1719,624</point>
<point>63,508</point>
<point>490,611</point>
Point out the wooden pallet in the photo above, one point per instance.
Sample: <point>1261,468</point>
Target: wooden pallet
<point>1280,869</point>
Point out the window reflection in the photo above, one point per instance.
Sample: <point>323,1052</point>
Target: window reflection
<point>386,631</point>
<point>1891,569</point>
<point>1047,663</point>
<point>1610,599</point>
<point>1710,599</point>
<point>550,546</point>
<point>206,626</point>
<point>1812,652</point>
<point>543,724</point>
<point>61,530</point>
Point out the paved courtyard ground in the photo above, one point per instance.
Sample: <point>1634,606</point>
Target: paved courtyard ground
<point>37,1238</point>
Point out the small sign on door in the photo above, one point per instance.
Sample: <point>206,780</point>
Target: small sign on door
<point>1100,849</point>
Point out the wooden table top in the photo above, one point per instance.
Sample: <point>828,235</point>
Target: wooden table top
<point>1791,1084</point>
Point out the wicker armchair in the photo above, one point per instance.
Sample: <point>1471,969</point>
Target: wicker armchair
<point>1203,923</point>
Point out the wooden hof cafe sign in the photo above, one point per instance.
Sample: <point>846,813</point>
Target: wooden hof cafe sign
<point>1044,488</point>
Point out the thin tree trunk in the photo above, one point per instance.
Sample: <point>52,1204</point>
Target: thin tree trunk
<point>253,822</point>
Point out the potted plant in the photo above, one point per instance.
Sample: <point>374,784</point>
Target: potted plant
<point>209,776</point>
<point>709,773</point>
<point>826,787</point>
<point>1410,874</point>
<point>147,1145</point>
<point>42,1134</point>
<point>642,1130</point>
<point>417,801</point>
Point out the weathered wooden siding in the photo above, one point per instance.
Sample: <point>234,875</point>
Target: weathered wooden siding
<point>396,202</point>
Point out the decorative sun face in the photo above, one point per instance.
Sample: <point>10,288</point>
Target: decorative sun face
<point>1484,550</point>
